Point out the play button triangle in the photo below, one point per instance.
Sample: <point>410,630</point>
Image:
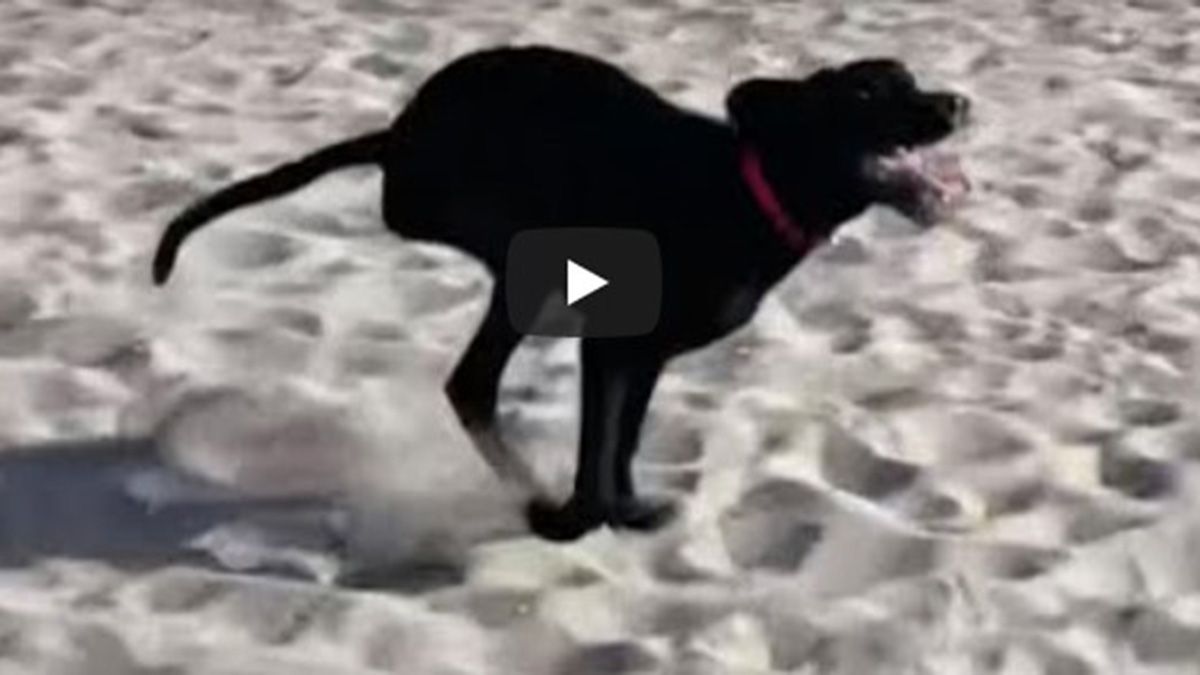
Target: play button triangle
<point>581,282</point>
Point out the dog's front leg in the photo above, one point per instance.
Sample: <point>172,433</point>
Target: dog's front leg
<point>616,386</point>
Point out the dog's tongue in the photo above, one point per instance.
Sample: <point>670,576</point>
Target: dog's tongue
<point>945,172</point>
<point>940,171</point>
<point>931,182</point>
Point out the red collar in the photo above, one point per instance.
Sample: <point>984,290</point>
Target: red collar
<point>781,221</point>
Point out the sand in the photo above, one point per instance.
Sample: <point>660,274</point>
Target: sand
<point>969,450</point>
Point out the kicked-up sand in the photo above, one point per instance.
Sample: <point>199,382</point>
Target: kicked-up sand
<point>969,450</point>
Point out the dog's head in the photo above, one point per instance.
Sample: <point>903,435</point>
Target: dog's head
<point>866,125</point>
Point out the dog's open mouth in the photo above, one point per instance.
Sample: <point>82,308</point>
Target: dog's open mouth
<point>924,184</point>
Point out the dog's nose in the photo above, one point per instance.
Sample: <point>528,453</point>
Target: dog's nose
<point>962,106</point>
<point>952,107</point>
<point>955,107</point>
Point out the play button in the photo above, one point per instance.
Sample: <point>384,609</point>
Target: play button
<point>583,282</point>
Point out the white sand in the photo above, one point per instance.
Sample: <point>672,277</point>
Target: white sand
<point>969,451</point>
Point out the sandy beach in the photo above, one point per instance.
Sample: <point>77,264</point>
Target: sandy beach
<point>973,449</point>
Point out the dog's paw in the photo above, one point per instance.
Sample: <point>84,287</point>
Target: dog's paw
<point>561,523</point>
<point>642,514</point>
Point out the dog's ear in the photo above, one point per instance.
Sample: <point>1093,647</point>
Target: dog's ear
<point>763,108</point>
<point>880,67</point>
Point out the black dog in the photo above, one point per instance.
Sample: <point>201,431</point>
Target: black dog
<point>514,138</point>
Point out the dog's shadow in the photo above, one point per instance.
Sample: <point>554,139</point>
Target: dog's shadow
<point>117,500</point>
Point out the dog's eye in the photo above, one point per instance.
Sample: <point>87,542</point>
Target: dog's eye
<point>864,94</point>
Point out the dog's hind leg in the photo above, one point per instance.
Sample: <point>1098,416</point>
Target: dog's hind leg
<point>630,511</point>
<point>617,383</point>
<point>473,390</point>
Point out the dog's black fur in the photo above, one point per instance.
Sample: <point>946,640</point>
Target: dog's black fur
<point>514,138</point>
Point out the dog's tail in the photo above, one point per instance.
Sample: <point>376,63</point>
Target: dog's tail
<point>366,149</point>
